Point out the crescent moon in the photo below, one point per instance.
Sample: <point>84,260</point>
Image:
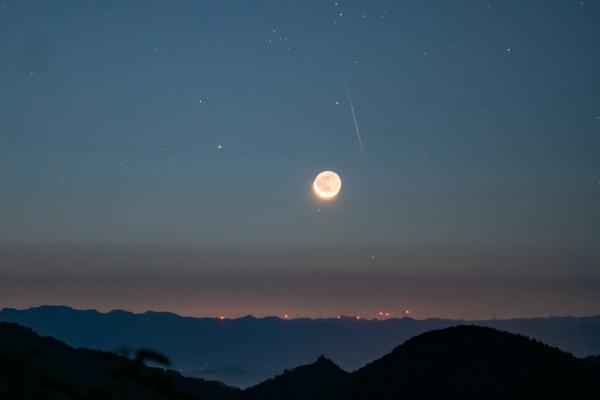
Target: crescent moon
<point>327,184</point>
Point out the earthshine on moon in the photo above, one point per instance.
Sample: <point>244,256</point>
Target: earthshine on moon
<point>327,184</point>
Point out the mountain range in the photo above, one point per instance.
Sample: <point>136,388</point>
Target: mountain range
<point>467,362</point>
<point>245,351</point>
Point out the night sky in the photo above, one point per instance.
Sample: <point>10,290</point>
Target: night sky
<point>160,155</point>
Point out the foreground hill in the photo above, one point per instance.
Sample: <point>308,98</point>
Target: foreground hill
<point>36,367</point>
<point>319,380</point>
<point>245,351</point>
<point>463,362</point>
<point>467,362</point>
<point>476,362</point>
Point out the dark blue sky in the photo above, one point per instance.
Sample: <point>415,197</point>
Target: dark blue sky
<point>160,155</point>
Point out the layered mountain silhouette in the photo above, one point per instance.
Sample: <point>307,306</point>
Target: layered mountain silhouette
<point>466,362</point>
<point>245,351</point>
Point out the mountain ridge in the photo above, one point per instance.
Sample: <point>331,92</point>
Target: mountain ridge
<point>465,361</point>
<point>59,307</point>
<point>227,350</point>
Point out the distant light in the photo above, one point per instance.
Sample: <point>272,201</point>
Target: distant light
<point>285,316</point>
<point>221,317</point>
<point>407,312</point>
<point>383,314</point>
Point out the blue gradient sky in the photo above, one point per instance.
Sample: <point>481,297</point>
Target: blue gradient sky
<point>479,192</point>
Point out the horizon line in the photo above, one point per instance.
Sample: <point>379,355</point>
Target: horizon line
<point>289,317</point>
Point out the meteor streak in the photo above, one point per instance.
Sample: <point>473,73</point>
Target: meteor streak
<point>360,143</point>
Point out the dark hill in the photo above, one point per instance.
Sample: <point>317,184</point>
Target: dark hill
<point>320,380</point>
<point>593,360</point>
<point>36,367</point>
<point>475,362</point>
<point>464,362</point>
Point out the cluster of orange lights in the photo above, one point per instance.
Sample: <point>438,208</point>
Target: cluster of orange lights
<point>380,315</point>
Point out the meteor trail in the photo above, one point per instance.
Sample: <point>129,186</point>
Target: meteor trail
<point>360,143</point>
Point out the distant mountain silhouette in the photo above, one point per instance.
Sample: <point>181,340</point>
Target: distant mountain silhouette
<point>463,362</point>
<point>245,351</point>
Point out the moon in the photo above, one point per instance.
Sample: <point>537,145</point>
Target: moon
<point>327,184</point>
